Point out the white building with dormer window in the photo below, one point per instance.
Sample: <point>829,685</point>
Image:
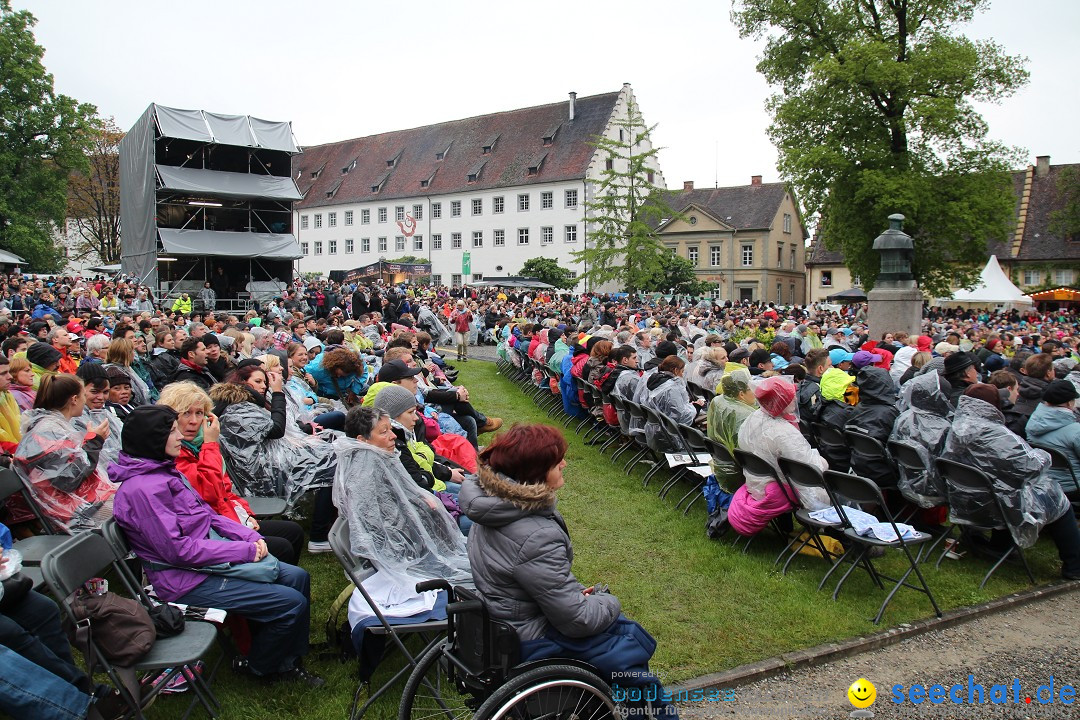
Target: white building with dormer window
<point>503,187</point>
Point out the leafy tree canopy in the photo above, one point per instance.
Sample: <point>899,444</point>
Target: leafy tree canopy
<point>874,115</point>
<point>408,260</point>
<point>548,270</point>
<point>94,196</point>
<point>675,274</point>
<point>627,207</point>
<point>43,137</point>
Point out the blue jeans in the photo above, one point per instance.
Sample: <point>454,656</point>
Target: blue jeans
<point>32,629</point>
<point>463,522</point>
<point>28,690</point>
<point>280,613</point>
<point>333,420</point>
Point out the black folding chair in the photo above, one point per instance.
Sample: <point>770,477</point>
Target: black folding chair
<point>971,481</point>
<point>359,569</point>
<point>696,442</point>
<point>638,418</point>
<point>867,449</point>
<point>88,555</point>
<point>33,548</point>
<point>802,477</point>
<point>723,459</point>
<point>862,491</point>
<point>833,445</point>
<point>755,465</point>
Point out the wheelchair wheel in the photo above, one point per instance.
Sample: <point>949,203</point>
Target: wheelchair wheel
<point>551,692</point>
<point>430,693</point>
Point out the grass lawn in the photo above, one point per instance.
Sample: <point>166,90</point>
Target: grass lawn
<point>709,606</point>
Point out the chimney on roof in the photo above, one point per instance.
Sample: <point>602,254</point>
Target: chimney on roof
<point>1042,165</point>
<point>573,102</point>
<point>755,179</point>
<point>688,185</point>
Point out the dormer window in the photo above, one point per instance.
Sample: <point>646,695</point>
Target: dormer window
<point>427,181</point>
<point>392,162</point>
<point>549,136</point>
<point>474,173</point>
<point>333,190</point>
<point>317,172</point>
<point>536,164</point>
<point>350,166</point>
<point>440,156</point>
<point>488,147</point>
<point>378,184</point>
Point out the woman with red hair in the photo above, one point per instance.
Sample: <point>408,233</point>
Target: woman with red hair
<point>520,554</point>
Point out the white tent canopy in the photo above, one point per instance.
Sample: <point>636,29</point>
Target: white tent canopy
<point>994,289</point>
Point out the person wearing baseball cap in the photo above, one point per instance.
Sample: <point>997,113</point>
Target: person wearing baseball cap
<point>945,349</point>
<point>841,358</point>
<point>760,362</point>
<point>864,358</point>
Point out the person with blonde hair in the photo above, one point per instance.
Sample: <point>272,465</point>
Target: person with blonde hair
<point>121,355</point>
<point>200,461</point>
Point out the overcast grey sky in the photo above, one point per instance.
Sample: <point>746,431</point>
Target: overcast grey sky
<point>347,69</point>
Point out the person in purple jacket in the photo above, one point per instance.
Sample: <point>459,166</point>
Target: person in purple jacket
<point>174,532</point>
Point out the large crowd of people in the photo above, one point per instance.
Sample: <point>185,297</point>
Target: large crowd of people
<point>171,416</point>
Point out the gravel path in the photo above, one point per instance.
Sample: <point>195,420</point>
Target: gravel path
<point>1031,643</point>
<point>476,352</point>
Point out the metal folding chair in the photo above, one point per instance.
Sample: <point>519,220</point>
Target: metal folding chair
<point>833,446</point>
<point>359,569</point>
<point>33,548</point>
<point>865,448</point>
<point>802,476</point>
<point>755,465</point>
<point>962,478</point>
<point>862,491</point>
<point>87,555</point>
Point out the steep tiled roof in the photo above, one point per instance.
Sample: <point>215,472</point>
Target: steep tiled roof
<point>1039,243</point>
<point>821,255</point>
<point>743,207</point>
<point>404,163</point>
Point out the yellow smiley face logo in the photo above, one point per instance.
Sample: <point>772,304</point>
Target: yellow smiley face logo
<point>862,693</point>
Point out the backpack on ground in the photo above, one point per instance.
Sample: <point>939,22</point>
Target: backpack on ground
<point>338,633</point>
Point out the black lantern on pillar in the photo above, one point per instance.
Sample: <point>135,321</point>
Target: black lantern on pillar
<point>896,248</point>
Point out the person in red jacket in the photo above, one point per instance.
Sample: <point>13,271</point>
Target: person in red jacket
<point>201,463</point>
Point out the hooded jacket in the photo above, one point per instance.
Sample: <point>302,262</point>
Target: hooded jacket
<point>1031,391</point>
<point>201,463</point>
<point>189,372</point>
<point>1057,428</point>
<point>874,415</point>
<point>167,523</point>
<point>1029,496</point>
<point>924,423</point>
<point>521,556</point>
<point>809,399</point>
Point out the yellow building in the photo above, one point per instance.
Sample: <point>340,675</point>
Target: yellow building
<point>826,273</point>
<point>748,239</point>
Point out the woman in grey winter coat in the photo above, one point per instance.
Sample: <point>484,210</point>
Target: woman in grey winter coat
<point>520,554</point>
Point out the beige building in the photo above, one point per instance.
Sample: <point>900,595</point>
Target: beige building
<point>825,272</point>
<point>748,239</point>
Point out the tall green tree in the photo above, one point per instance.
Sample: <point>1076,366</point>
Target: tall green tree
<point>44,136</point>
<point>622,216</point>
<point>675,274</point>
<point>873,115</point>
<point>548,270</point>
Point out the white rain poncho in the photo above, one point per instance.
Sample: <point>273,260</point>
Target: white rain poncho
<point>668,397</point>
<point>70,488</point>
<point>772,431</point>
<point>1029,496</point>
<point>285,467</point>
<point>924,423</point>
<point>404,530</point>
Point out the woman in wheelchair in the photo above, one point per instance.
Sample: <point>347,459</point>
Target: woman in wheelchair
<point>520,554</point>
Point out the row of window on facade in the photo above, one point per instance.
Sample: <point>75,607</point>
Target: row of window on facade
<point>498,206</point>
<point>524,237</point>
<point>746,256</point>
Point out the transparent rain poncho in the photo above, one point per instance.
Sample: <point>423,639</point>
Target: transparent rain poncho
<point>110,450</point>
<point>285,467</point>
<point>427,319</point>
<point>404,530</point>
<point>670,399</point>
<point>1029,496</point>
<point>923,423</point>
<point>62,479</point>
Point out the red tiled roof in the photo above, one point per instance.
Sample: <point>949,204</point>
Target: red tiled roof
<point>518,145</point>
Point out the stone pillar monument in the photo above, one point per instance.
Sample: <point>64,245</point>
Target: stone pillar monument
<point>896,301</point>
